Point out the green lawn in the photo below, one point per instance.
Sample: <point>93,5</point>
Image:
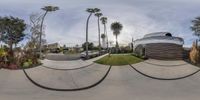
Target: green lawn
<point>119,59</point>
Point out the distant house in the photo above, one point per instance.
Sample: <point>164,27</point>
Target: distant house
<point>159,45</point>
<point>54,47</point>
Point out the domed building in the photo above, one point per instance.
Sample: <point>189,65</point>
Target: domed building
<point>159,45</point>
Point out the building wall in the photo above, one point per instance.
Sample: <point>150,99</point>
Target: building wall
<point>164,51</point>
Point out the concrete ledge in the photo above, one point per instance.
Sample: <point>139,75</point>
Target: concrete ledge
<point>165,73</point>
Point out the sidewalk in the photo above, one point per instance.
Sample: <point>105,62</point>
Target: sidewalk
<point>165,69</point>
<point>69,64</point>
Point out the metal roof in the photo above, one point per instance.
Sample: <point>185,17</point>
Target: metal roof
<point>157,34</point>
<point>158,39</point>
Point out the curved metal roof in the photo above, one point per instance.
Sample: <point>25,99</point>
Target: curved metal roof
<point>159,39</point>
<point>157,34</point>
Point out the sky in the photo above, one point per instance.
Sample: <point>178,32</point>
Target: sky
<point>138,17</point>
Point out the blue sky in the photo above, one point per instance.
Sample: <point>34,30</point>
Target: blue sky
<point>139,17</point>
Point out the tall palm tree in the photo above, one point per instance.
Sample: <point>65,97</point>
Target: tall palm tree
<point>103,36</point>
<point>98,15</point>
<point>90,11</point>
<point>196,27</point>
<point>104,21</point>
<point>46,9</point>
<point>0,35</point>
<point>116,27</point>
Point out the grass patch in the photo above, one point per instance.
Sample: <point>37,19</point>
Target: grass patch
<point>119,59</point>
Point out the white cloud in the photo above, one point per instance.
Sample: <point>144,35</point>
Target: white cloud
<point>139,17</point>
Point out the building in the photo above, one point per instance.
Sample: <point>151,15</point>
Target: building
<point>54,47</point>
<point>159,45</point>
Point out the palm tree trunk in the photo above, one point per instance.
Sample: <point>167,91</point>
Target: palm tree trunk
<point>87,35</point>
<point>105,31</point>
<point>116,45</point>
<point>99,35</point>
<point>116,42</point>
<point>41,27</point>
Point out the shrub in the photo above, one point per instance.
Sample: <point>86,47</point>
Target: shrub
<point>26,64</point>
<point>13,66</point>
<point>195,54</point>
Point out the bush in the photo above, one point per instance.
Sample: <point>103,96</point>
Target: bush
<point>13,66</point>
<point>26,64</point>
<point>195,54</point>
<point>139,56</point>
<point>30,62</point>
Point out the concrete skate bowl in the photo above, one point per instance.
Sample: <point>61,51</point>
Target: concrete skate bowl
<point>164,71</point>
<point>67,80</point>
<point>63,57</point>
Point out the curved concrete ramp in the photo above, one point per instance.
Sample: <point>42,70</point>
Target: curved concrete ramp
<point>125,83</point>
<point>166,63</point>
<point>162,71</point>
<point>122,83</point>
<point>70,80</point>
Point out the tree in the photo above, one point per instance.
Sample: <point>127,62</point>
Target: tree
<point>196,27</point>
<point>46,9</point>
<point>104,21</point>
<point>98,15</point>
<point>12,30</point>
<point>195,53</point>
<point>90,46</point>
<point>116,27</point>
<point>35,20</point>
<point>1,36</point>
<point>90,11</point>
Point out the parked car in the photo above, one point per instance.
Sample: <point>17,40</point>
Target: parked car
<point>91,54</point>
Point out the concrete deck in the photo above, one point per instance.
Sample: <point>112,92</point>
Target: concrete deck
<point>69,79</point>
<point>163,71</point>
<point>122,83</point>
<point>69,64</point>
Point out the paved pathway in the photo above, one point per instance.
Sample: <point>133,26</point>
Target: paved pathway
<point>69,64</point>
<point>122,83</point>
<point>166,69</point>
<point>68,79</point>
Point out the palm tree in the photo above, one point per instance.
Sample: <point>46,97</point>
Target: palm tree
<point>104,21</point>
<point>98,15</point>
<point>196,27</point>
<point>90,11</point>
<point>46,9</point>
<point>103,36</point>
<point>116,27</point>
<point>0,37</point>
